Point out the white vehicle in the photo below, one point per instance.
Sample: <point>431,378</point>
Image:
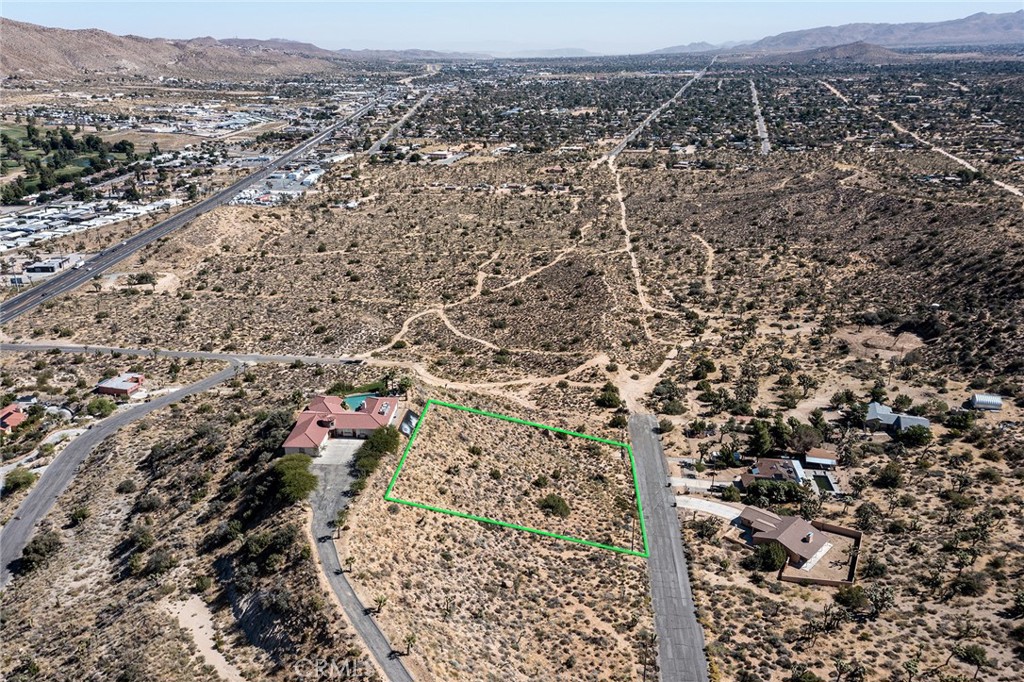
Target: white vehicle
<point>79,264</point>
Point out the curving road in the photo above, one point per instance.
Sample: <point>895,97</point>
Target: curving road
<point>333,484</point>
<point>72,279</point>
<point>19,530</point>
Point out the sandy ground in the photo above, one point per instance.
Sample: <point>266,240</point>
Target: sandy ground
<point>194,616</point>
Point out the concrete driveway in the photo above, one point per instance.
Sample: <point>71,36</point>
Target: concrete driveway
<point>719,509</point>
<point>332,470</point>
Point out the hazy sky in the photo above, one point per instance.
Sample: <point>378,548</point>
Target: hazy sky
<point>604,27</point>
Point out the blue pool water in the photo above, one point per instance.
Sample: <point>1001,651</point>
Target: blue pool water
<point>356,401</point>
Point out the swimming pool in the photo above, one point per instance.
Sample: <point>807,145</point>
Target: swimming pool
<point>824,483</point>
<point>356,401</point>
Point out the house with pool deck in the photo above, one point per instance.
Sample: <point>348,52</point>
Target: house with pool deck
<point>330,416</point>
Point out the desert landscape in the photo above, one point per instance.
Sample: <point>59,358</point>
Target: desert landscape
<point>379,300</point>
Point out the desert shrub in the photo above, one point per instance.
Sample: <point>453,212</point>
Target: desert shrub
<point>874,568</point>
<point>160,561</point>
<point>970,584</point>
<point>380,443</point>
<point>665,426</point>
<point>868,515</point>
<point>767,557</point>
<point>201,583</point>
<point>990,475</point>
<point>851,597</point>
<point>141,538</point>
<point>673,407</point>
<point>18,479</point>
<point>609,396</point>
<point>40,549</point>
<point>126,486</point>
<point>891,476</point>
<point>555,505</point>
<point>79,515</point>
<point>292,479</point>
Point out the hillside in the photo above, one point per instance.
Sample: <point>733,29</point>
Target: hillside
<point>859,53</point>
<point>685,49</point>
<point>37,52</point>
<point>32,51</point>
<point>978,29</point>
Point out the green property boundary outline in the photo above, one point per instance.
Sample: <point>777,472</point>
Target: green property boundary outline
<point>451,512</point>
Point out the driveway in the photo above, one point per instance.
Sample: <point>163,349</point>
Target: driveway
<point>719,509</point>
<point>680,638</point>
<point>698,483</point>
<point>332,470</point>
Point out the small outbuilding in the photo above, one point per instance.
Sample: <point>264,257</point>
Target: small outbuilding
<point>986,401</point>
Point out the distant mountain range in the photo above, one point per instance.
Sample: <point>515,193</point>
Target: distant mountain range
<point>36,52</point>
<point>978,29</point>
<point>31,51</point>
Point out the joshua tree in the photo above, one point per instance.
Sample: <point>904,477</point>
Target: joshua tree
<point>380,601</point>
<point>648,650</point>
<point>410,639</point>
<point>973,654</point>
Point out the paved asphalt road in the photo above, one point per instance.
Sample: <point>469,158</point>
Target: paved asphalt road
<point>72,279</point>
<point>762,130</point>
<point>398,126</point>
<point>617,149</point>
<point>19,530</point>
<point>184,354</point>
<point>334,482</point>
<point>680,638</point>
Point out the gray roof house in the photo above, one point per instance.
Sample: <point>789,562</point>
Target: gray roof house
<point>882,415</point>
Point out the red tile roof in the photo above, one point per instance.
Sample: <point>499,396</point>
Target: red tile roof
<point>328,412</point>
<point>11,417</point>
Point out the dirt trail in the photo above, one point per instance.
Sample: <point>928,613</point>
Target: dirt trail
<point>194,615</point>
<point>709,264</point>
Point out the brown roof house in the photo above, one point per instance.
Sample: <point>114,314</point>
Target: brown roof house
<point>328,417</point>
<point>804,544</point>
<point>771,469</point>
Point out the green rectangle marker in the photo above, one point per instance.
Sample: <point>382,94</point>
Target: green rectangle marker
<point>451,512</point>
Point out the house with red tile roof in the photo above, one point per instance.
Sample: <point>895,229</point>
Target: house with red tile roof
<point>11,417</point>
<point>329,417</point>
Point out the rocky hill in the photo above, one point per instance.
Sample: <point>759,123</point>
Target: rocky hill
<point>37,52</point>
<point>978,29</point>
